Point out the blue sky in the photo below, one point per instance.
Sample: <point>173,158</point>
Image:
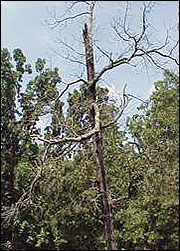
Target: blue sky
<point>22,25</point>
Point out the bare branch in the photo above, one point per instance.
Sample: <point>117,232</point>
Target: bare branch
<point>143,24</point>
<point>119,34</point>
<point>133,96</point>
<point>116,63</point>
<point>125,18</point>
<point>125,103</point>
<point>173,48</point>
<point>77,2</point>
<point>165,56</point>
<point>153,61</point>
<point>73,4</point>
<point>78,138</point>
<point>71,48</point>
<point>155,51</point>
<point>68,85</point>
<point>68,57</point>
<point>58,22</point>
<point>126,60</point>
<point>26,198</point>
<point>104,53</point>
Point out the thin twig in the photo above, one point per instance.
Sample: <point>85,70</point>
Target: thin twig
<point>87,135</point>
<point>58,22</point>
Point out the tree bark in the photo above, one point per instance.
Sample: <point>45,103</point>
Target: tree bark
<point>11,160</point>
<point>108,220</point>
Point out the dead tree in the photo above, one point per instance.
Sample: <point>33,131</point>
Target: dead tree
<point>139,47</point>
<point>108,220</point>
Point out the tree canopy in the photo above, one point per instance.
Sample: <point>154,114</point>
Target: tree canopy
<point>54,203</point>
<point>84,182</point>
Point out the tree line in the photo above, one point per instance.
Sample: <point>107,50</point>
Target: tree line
<point>84,182</point>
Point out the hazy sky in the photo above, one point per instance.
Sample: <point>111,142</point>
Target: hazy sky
<point>22,26</point>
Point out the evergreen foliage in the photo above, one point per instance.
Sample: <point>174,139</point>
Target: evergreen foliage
<point>64,210</point>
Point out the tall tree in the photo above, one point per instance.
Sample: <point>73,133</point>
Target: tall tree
<point>10,87</point>
<point>153,205</point>
<point>64,135</point>
<point>20,112</point>
<point>138,47</point>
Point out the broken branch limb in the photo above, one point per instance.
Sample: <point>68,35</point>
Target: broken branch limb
<point>78,138</point>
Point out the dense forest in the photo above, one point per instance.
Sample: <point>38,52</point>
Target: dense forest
<point>50,196</point>
<point>89,180</point>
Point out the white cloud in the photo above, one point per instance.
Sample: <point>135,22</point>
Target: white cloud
<point>151,90</point>
<point>113,95</point>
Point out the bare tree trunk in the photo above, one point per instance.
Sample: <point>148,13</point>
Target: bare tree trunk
<point>108,220</point>
<point>12,163</point>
